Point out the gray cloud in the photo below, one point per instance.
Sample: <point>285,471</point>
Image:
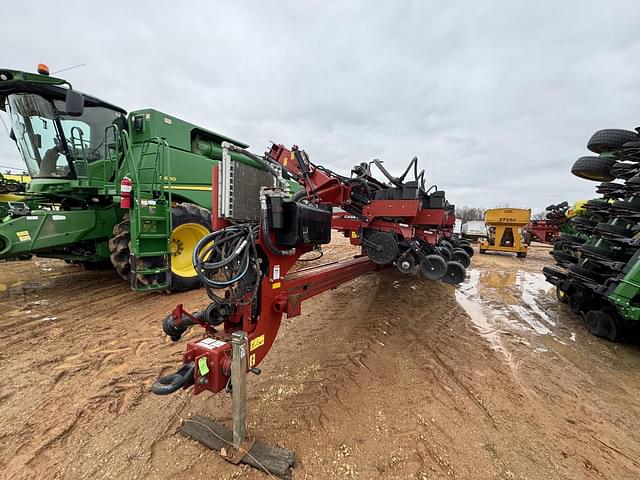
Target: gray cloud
<point>497,99</point>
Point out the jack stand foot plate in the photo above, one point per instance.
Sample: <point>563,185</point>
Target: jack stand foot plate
<point>262,456</point>
<point>235,455</point>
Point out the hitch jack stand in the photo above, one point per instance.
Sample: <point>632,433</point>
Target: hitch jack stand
<point>236,446</point>
<point>241,442</point>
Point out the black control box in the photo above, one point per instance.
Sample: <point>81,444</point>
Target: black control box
<point>302,224</point>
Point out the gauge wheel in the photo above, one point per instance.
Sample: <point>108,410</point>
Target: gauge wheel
<point>460,256</point>
<point>433,267</point>
<point>456,273</point>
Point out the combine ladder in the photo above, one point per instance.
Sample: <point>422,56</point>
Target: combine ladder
<point>151,218</point>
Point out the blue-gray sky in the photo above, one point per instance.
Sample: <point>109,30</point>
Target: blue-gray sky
<point>496,98</point>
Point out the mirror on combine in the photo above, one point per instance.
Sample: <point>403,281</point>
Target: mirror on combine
<point>74,103</point>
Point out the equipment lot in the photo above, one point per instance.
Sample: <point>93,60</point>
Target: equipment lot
<point>387,376</point>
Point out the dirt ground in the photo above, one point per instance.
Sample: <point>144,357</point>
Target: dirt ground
<point>388,377</point>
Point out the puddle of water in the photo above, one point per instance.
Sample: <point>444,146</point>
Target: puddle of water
<point>9,281</point>
<point>484,319</point>
<point>507,303</point>
<point>485,327</point>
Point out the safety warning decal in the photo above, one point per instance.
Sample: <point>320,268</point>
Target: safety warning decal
<point>23,235</point>
<point>256,342</point>
<point>211,343</point>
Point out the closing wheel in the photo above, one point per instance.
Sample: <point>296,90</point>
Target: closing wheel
<point>468,248</point>
<point>456,273</point>
<point>446,253</point>
<point>433,267</point>
<point>601,324</point>
<point>407,264</point>
<point>578,303</point>
<point>461,257</point>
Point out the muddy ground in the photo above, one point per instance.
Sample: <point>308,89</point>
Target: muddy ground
<point>386,377</point>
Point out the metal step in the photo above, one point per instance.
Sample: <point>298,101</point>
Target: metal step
<point>152,271</point>
<point>157,286</point>
<point>152,254</point>
<point>153,235</point>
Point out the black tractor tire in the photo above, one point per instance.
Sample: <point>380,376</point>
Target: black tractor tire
<point>119,247</point>
<point>610,140</point>
<point>120,250</point>
<point>597,169</point>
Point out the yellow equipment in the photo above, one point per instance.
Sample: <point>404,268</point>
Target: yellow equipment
<point>505,230</point>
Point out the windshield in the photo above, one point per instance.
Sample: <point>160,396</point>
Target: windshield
<point>49,141</point>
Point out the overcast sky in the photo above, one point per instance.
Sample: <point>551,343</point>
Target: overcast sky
<point>496,98</point>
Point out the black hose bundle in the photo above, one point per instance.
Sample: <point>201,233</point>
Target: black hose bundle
<point>228,260</point>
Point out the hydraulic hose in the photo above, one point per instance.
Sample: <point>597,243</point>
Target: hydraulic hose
<point>229,249</point>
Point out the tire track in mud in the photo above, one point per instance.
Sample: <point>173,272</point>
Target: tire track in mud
<point>391,316</point>
<point>87,366</point>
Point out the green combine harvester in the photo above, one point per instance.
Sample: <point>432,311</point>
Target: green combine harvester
<point>599,274</point>
<point>79,152</point>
